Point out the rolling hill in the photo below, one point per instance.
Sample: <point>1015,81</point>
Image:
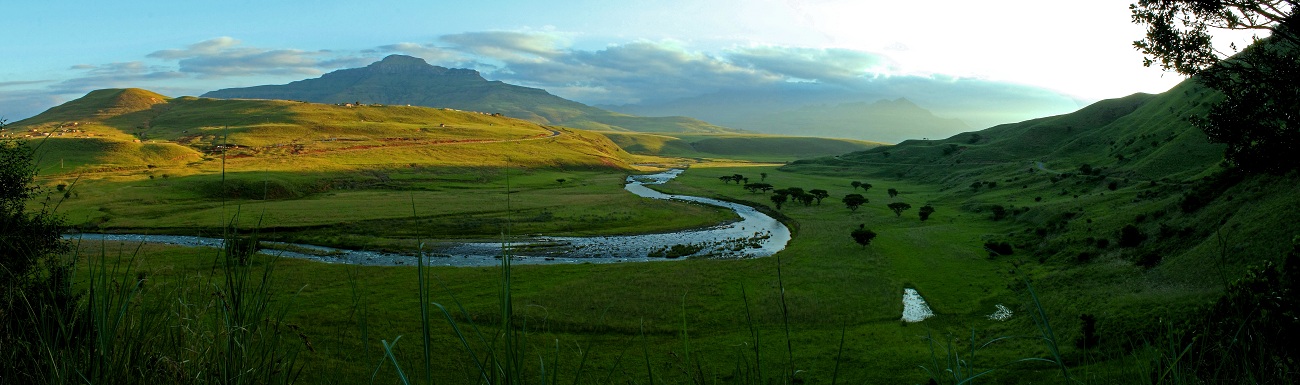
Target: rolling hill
<point>122,129</point>
<point>405,80</point>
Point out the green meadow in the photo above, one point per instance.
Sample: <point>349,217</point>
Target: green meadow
<point>1118,213</point>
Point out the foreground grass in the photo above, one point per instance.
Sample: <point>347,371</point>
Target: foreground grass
<point>634,322</point>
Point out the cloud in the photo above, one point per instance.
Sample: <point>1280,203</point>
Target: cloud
<point>226,57</point>
<point>508,46</point>
<point>21,83</point>
<point>121,74</point>
<point>824,65</point>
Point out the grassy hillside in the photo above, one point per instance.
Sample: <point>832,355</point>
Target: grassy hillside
<point>1119,210</point>
<point>140,162</point>
<point>752,147</point>
<point>132,128</point>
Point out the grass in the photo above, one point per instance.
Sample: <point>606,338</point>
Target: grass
<point>749,147</point>
<point>597,303</point>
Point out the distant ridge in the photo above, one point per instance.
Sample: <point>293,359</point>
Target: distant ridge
<point>401,80</point>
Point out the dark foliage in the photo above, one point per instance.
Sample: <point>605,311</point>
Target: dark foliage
<point>926,211</point>
<point>35,284</point>
<point>1257,118</point>
<point>863,236</point>
<point>1131,236</point>
<point>997,248</point>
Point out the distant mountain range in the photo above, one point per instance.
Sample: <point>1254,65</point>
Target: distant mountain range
<point>402,80</point>
<point>891,111</point>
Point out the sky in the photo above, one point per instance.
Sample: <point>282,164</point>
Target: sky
<point>596,52</point>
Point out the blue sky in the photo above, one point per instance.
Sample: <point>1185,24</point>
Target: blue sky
<point>597,52</point>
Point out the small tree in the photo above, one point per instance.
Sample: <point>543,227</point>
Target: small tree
<point>853,201</point>
<point>893,193</point>
<point>561,180</point>
<point>779,199</point>
<point>805,198</point>
<point>855,185</point>
<point>819,194</point>
<point>1131,236</point>
<point>926,211</point>
<point>899,208</point>
<point>762,176</point>
<point>865,186</point>
<point>863,236</point>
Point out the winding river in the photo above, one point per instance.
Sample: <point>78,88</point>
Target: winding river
<point>755,235</point>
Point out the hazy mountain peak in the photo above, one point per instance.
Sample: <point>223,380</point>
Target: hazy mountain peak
<point>402,64</point>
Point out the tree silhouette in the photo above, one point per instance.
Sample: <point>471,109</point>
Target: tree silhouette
<point>898,208</point>
<point>893,193</point>
<point>1256,118</point>
<point>819,194</point>
<point>805,198</point>
<point>853,201</point>
<point>863,236</point>
<point>855,185</point>
<point>925,212</point>
<point>762,176</point>
<point>779,199</point>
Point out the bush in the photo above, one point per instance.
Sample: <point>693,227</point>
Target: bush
<point>1131,236</point>
<point>998,248</point>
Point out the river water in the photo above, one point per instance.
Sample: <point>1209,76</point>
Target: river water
<point>755,235</point>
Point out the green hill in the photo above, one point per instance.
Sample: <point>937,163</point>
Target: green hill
<point>1119,210</point>
<point>120,129</point>
<point>1140,136</point>
<point>405,80</point>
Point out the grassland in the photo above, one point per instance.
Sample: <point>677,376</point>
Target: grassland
<point>831,285</point>
<point>698,321</point>
<point>722,146</point>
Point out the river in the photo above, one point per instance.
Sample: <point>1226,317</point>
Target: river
<point>755,235</point>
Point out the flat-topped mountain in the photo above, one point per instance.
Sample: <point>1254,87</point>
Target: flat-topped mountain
<point>402,80</point>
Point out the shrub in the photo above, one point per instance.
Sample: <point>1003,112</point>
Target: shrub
<point>1131,236</point>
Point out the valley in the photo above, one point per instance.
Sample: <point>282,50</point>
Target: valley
<point>1074,247</point>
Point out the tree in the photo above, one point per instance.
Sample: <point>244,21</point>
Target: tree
<point>35,285</point>
<point>865,186</point>
<point>855,185</point>
<point>819,194</point>
<point>853,201</point>
<point>863,236</point>
<point>779,199</point>
<point>561,180</point>
<point>893,193</point>
<point>926,211</point>
<point>762,176</point>
<point>805,198</point>
<point>899,208</point>
<point>1256,118</point>
<point>725,179</point>
<point>756,187</point>
<point>1131,236</point>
